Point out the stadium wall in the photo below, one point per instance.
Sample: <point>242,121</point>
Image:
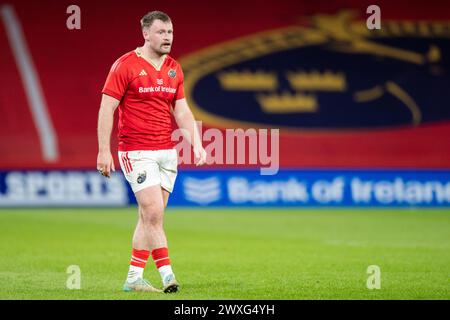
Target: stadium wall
<point>363,114</point>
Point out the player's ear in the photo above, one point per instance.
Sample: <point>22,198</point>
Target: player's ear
<point>145,33</point>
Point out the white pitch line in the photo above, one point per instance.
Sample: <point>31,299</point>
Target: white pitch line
<point>32,87</point>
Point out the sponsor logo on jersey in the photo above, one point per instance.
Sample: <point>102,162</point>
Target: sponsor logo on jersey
<point>143,73</point>
<point>157,89</point>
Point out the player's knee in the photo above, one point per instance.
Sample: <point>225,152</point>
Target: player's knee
<point>153,221</point>
<point>152,215</point>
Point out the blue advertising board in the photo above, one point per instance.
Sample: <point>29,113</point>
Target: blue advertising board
<point>289,188</point>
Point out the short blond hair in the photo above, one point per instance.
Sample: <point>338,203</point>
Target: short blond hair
<point>148,19</point>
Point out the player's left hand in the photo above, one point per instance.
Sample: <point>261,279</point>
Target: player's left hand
<point>200,155</point>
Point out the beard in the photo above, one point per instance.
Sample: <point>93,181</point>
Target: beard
<point>164,49</point>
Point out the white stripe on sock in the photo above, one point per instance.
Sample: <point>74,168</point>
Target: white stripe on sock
<point>138,259</point>
<point>164,271</point>
<point>134,273</point>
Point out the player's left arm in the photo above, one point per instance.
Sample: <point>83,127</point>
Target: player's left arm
<point>186,121</point>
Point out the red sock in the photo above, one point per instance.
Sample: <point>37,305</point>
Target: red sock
<point>139,258</point>
<point>161,257</point>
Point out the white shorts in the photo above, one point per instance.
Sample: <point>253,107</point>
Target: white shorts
<point>147,168</point>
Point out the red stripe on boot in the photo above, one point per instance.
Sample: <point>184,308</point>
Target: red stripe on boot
<point>161,257</point>
<point>139,258</point>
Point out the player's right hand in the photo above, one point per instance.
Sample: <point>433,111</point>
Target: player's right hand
<point>105,163</point>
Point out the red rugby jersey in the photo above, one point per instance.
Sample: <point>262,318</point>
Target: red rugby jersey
<point>146,97</point>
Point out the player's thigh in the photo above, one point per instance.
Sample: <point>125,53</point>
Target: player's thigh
<point>165,195</point>
<point>168,168</point>
<point>150,200</point>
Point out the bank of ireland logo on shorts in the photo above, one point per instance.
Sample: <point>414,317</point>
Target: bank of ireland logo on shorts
<point>141,177</point>
<point>172,73</point>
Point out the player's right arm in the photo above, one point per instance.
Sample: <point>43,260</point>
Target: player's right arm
<point>105,161</point>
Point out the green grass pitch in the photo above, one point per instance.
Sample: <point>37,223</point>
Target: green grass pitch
<point>231,253</point>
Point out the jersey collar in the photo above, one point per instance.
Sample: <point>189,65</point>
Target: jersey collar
<point>138,53</point>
